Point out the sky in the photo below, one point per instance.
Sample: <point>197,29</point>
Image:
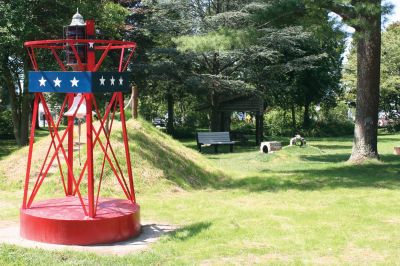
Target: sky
<point>396,11</point>
<point>393,17</point>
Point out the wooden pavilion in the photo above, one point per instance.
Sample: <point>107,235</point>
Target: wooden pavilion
<point>251,103</point>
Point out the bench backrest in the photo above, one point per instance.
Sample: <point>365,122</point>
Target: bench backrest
<point>212,137</point>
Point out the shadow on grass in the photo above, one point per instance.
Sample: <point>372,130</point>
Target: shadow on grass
<point>395,140</point>
<point>7,147</point>
<point>225,149</point>
<point>332,147</point>
<point>374,175</point>
<point>248,146</point>
<point>189,231</point>
<point>328,158</point>
<point>315,171</point>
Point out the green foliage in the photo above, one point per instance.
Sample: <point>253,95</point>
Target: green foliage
<point>390,76</point>
<point>394,127</point>
<point>218,41</point>
<point>242,127</point>
<point>6,128</point>
<point>22,21</point>
<point>210,51</point>
<point>331,126</point>
<point>112,20</point>
<point>278,122</point>
<point>328,122</point>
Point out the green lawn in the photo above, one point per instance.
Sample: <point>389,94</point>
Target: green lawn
<point>8,146</point>
<point>297,206</point>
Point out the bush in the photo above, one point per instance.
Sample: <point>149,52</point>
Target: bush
<point>242,127</point>
<point>332,122</point>
<point>184,133</point>
<point>331,128</point>
<point>393,127</point>
<point>329,122</point>
<point>278,122</point>
<point>6,125</point>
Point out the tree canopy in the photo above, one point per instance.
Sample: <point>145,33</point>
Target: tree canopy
<point>193,55</point>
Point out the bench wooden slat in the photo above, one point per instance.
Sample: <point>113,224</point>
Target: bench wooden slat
<point>214,138</point>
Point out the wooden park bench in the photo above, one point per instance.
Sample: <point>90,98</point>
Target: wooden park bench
<point>214,139</point>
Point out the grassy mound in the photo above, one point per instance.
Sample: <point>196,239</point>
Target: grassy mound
<point>159,158</point>
<point>159,162</point>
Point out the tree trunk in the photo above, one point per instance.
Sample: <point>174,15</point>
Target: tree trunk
<point>170,121</point>
<point>135,102</point>
<point>215,117</point>
<point>368,81</point>
<point>9,83</point>
<point>306,119</point>
<point>25,110</point>
<point>215,120</point>
<point>259,128</point>
<point>225,121</point>
<point>293,119</point>
<point>37,125</point>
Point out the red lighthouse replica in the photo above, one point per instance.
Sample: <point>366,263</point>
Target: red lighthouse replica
<point>82,216</point>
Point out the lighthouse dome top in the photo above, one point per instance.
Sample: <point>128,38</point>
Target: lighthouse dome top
<point>77,19</point>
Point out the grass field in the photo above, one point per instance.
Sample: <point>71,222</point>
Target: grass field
<point>297,206</point>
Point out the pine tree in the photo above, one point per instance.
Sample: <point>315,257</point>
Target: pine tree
<point>365,18</point>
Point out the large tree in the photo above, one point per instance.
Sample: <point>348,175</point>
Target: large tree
<point>390,69</point>
<point>215,76</point>
<point>390,72</point>
<point>365,17</point>
<point>288,54</point>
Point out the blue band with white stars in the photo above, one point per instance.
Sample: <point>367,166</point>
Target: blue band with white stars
<point>78,82</point>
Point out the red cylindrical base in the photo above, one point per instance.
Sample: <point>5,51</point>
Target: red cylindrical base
<point>62,221</point>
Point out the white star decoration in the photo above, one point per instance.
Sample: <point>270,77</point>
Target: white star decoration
<point>91,45</point>
<point>57,82</point>
<point>102,80</point>
<point>42,82</point>
<point>74,82</point>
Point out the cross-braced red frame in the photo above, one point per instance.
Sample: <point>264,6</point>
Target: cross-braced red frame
<point>70,182</point>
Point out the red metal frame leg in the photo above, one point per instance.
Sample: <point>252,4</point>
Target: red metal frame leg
<point>127,153</point>
<point>89,153</point>
<point>31,141</point>
<point>70,146</point>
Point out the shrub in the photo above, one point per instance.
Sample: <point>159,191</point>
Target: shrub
<point>6,125</point>
<point>332,122</point>
<point>394,127</point>
<point>242,127</point>
<point>278,122</point>
<point>329,122</point>
<point>330,128</point>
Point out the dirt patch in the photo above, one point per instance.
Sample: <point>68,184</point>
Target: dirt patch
<point>249,259</point>
<point>151,233</point>
<point>357,255</point>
